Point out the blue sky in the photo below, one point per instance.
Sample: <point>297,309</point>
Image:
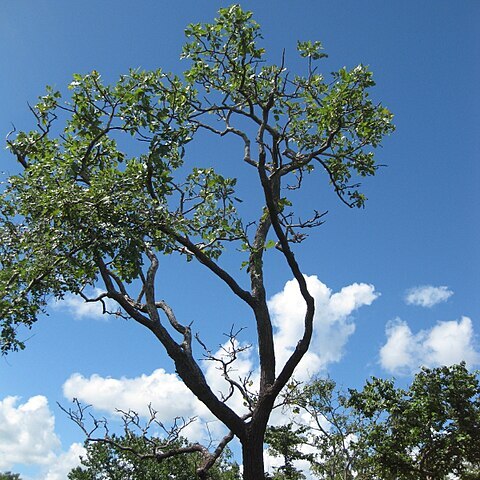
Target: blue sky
<point>419,228</point>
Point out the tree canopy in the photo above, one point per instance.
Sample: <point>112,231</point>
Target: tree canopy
<point>428,431</point>
<point>122,459</point>
<point>107,187</point>
<point>431,430</point>
<point>9,476</point>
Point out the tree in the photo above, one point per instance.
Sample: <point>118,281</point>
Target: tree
<point>121,458</point>
<point>9,476</point>
<point>427,432</point>
<point>85,212</point>
<point>284,441</point>
<point>140,453</point>
<point>430,431</point>
<point>327,434</point>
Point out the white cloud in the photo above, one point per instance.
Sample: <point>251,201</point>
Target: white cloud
<point>27,433</point>
<point>271,463</point>
<point>79,309</point>
<point>164,391</point>
<point>444,344</point>
<point>427,295</point>
<point>333,324</point>
<point>451,342</point>
<point>171,398</point>
<point>65,462</point>
<point>28,438</point>
<point>400,349</point>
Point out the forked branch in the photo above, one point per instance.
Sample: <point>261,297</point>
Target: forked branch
<point>155,448</point>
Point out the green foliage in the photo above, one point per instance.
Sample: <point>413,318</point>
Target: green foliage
<point>81,199</point>
<point>309,114</point>
<point>123,461</point>
<point>9,476</point>
<point>332,428</point>
<point>311,50</point>
<point>111,187</point>
<point>429,431</point>
<point>284,441</point>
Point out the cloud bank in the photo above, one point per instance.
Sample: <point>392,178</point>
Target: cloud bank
<point>444,344</point>
<point>171,398</point>
<point>26,432</point>
<point>168,395</point>
<point>164,391</point>
<point>27,437</point>
<point>65,462</point>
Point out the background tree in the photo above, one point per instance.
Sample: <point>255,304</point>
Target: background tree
<point>285,441</point>
<point>147,450</point>
<point>9,476</point>
<point>325,430</point>
<point>429,431</point>
<point>90,209</point>
<point>128,457</point>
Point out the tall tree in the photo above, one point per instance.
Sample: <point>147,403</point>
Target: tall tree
<point>85,211</point>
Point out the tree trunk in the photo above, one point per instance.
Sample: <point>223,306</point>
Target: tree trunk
<point>252,456</point>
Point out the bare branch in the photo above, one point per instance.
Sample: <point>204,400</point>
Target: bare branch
<point>229,355</point>
<point>210,264</point>
<point>184,330</point>
<point>154,448</point>
<point>211,458</point>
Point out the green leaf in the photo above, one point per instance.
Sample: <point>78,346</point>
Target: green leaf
<point>270,244</point>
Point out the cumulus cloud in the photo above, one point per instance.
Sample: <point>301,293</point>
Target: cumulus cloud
<point>444,344</point>
<point>65,462</point>
<point>333,324</point>
<point>164,391</point>
<point>27,437</point>
<point>171,398</point>
<point>27,433</point>
<point>427,295</point>
<point>79,309</point>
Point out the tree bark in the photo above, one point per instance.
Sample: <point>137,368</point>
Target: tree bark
<point>252,456</point>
